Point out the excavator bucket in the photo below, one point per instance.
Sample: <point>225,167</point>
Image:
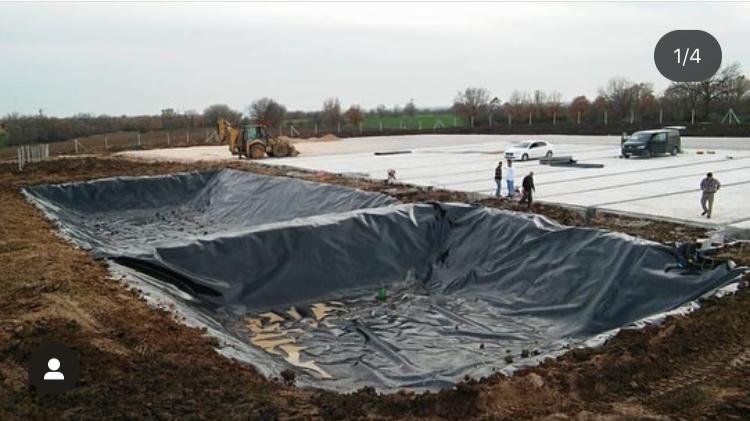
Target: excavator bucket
<point>281,148</point>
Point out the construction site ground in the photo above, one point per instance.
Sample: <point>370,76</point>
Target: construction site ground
<point>664,186</point>
<point>139,362</point>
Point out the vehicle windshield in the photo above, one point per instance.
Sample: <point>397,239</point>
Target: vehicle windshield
<point>522,145</point>
<point>639,137</point>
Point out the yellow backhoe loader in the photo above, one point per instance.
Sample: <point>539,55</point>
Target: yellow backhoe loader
<point>253,141</point>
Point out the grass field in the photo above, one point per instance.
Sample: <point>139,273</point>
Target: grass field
<point>3,138</point>
<point>428,121</point>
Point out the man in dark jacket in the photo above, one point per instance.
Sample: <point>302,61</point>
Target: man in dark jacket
<point>498,178</point>
<point>528,188</point>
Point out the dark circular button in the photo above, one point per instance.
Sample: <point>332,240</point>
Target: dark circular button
<point>54,368</point>
<point>687,55</point>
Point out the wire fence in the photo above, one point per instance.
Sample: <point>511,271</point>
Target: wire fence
<point>724,123</point>
<point>115,142</point>
<point>493,123</point>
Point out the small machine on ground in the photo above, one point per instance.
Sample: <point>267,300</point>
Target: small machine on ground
<point>253,141</point>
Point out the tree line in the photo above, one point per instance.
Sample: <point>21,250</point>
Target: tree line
<point>621,100</point>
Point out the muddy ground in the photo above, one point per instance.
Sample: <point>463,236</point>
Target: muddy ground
<point>138,362</point>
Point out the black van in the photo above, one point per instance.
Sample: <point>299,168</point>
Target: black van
<point>648,143</point>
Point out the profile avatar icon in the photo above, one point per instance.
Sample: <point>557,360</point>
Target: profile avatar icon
<point>53,364</point>
<point>45,365</point>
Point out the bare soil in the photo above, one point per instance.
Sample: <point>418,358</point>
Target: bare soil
<point>138,362</point>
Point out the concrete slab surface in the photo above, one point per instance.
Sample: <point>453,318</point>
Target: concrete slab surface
<point>665,187</point>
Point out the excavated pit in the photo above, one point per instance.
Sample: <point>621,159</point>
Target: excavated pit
<point>350,289</point>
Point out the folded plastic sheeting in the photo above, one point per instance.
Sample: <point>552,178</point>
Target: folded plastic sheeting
<point>353,289</point>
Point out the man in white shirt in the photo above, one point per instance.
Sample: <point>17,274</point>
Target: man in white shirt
<point>510,179</point>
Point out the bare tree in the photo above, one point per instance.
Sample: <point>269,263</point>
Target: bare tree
<point>722,84</point>
<point>726,87</point>
<point>410,109</point>
<point>354,115</point>
<point>472,102</point>
<point>519,104</point>
<point>624,96</point>
<point>381,110</point>
<point>599,106</point>
<point>539,100</point>
<point>554,102</point>
<point>214,112</point>
<point>268,112</point>
<point>330,115</point>
<point>579,104</point>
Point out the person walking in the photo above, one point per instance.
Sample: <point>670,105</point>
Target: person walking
<point>510,179</point>
<point>528,188</point>
<point>709,187</point>
<point>499,178</point>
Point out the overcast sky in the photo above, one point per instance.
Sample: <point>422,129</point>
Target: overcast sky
<point>136,58</point>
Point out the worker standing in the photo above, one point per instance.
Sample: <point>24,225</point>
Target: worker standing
<point>391,177</point>
<point>510,179</point>
<point>528,188</point>
<point>709,187</point>
<point>499,178</point>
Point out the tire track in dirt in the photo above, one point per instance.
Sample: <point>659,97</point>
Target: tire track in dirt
<point>703,370</point>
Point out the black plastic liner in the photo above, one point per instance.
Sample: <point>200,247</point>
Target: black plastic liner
<point>463,290</point>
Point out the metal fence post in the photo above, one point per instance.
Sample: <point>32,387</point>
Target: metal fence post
<point>605,117</point>
<point>138,142</point>
<point>661,115</point>
<point>692,116</point>
<point>187,137</point>
<point>168,140</point>
<point>75,145</point>
<point>529,118</point>
<point>579,117</point>
<point>106,145</point>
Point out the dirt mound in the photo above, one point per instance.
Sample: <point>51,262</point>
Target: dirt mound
<point>325,138</point>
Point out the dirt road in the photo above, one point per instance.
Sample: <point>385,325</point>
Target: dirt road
<point>138,362</point>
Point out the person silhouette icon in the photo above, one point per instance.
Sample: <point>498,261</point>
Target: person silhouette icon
<point>53,364</point>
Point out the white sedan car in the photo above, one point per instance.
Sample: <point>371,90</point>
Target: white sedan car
<point>529,149</point>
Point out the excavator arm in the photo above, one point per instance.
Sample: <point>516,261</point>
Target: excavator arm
<point>228,134</point>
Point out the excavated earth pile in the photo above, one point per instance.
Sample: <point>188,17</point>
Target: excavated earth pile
<point>351,289</point>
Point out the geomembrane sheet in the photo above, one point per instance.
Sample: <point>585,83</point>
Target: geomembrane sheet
<point>351,288</point>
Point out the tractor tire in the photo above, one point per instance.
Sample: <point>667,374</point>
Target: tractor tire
<point>256,151</point>
<point>280,149</point>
